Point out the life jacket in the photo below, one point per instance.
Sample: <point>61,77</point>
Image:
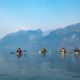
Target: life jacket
<point>76,50</point>
<point>63,50</point>
<point>19,50</point>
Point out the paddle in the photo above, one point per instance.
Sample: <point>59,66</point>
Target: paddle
<point>16,52</point>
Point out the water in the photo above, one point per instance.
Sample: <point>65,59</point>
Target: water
<point>34,66</point>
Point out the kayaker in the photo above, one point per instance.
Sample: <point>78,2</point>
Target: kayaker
<point>76,50</point>
<point>63,50</point>
<point>43,50</point>
<point>19,52</point>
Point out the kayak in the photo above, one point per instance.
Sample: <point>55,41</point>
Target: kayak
<point>76,53</point>
<point>63,52</point>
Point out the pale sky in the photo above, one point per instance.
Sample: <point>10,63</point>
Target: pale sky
<point>37,14</point>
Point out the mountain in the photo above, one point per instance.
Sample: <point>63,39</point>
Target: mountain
<point>21,39</point>
<point>68,37</point>
<point>45,33</point>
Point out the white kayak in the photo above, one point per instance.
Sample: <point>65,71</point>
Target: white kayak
<point>76,53</point>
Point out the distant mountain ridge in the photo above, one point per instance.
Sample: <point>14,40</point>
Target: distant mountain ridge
<point>68,37</point>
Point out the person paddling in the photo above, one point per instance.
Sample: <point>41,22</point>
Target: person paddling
<point>63,50</point>
<point>76,50</point>
<point>19,52</point>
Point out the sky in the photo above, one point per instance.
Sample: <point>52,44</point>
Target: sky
<point>37,14</point>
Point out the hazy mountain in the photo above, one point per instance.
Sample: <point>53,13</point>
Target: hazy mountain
<point>45,33</point>
<point>66,37</point>
<point>21,39</point>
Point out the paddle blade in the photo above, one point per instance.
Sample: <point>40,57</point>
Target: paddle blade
<point>12,52</point>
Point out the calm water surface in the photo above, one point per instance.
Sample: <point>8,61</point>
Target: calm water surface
<point>35,66</point>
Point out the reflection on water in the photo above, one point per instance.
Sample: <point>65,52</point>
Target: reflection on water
<point>43,54</point>
<point>35,66</point>
<point>63,54</point>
